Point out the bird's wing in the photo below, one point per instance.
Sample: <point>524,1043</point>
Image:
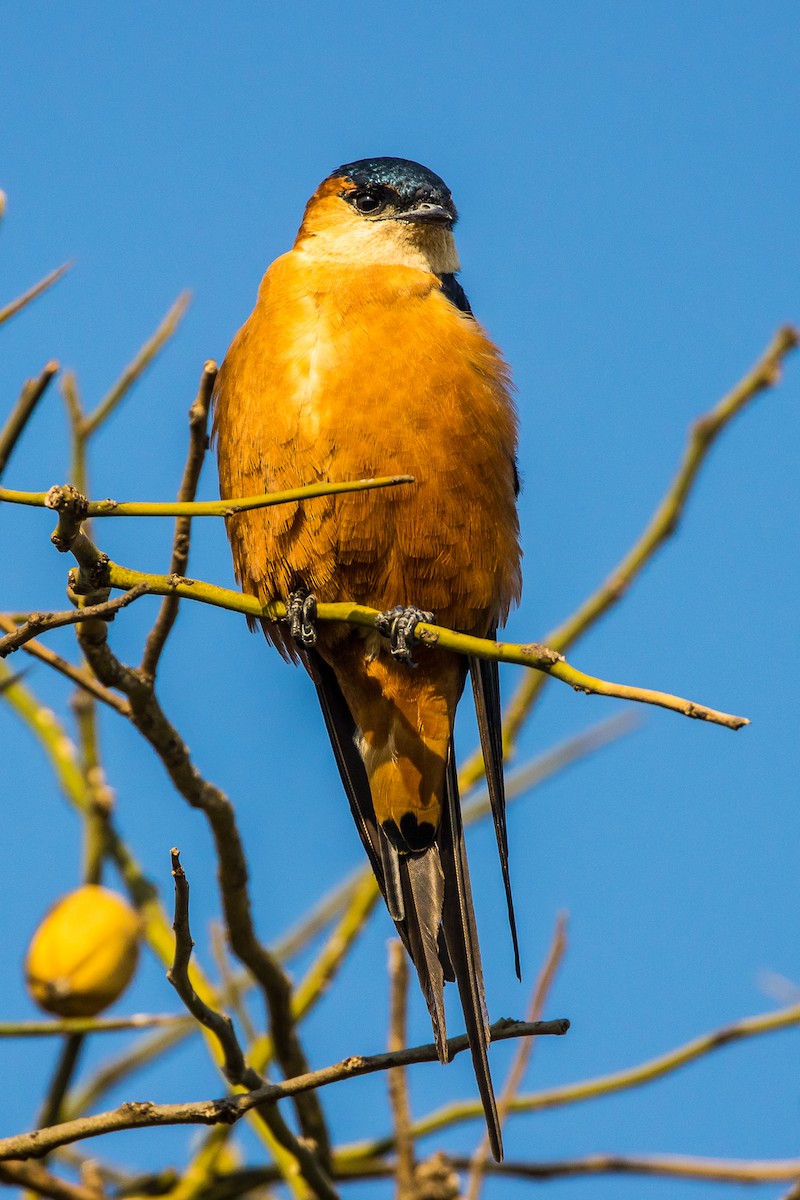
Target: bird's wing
<point>486,690</point>
<point>458,921</point>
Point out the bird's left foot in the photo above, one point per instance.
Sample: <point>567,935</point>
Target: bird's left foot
<point>301,613</point>
<point>399,624</point>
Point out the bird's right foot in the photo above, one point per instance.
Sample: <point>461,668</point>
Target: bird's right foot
<point>301,613</point>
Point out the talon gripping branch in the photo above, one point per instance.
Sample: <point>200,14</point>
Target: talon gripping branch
<point>362,358</point>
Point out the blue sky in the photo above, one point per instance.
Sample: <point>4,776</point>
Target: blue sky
<point>628,178</point>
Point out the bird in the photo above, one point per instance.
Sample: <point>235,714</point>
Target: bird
<point>362,358</point>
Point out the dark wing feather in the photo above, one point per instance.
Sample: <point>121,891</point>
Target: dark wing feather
<point>486,690</point>
<point>458,920</point>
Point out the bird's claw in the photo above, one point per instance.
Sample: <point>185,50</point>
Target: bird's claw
<point>301,613</point>
<point>399,625</point>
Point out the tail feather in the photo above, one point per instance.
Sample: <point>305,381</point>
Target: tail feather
<point>458,921</point>
<point>428,895</point>
<point>486,690</point>
<point>423,889</point>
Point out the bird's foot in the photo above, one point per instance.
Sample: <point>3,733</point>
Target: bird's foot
<point>301,613</point>
<point>398,625</point>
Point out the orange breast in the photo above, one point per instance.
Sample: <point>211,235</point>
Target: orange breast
<point>349,373</point>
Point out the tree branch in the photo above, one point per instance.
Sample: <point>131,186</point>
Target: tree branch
<point>198,444</point>
<point>144,1114</point>
<point>539,657</point>
<point>235,1069</point>
<point>79,676</point>
<point>23,410</point>
<point>40,622</point>
<point>145,356</point>
<point>11,310</point>
<point>36,1178</point>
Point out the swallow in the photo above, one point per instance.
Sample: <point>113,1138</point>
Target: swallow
<point>362,358</point>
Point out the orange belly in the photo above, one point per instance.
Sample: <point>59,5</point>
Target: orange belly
<point>350,373</point>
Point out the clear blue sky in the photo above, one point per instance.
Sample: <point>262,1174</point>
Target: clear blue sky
<point>628,181</point>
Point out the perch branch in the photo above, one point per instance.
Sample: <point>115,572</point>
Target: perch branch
<point>541,658</point>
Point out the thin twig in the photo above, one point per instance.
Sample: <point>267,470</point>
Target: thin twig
<point>40,622</point>
<point>523,1052</point>
<point>671,1166</point>
<point>78,675</point>
<point>68,1025</point>
<point>66,1065</point>
<point>137,368</point>
<point>23,410</point>
<point>144,1114</point>
<point>11,310</point>
<point>234,1067</point>
<point>198,444</point>
<point>396,1076</point>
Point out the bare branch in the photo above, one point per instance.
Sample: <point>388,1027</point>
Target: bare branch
<point>36,1178</point>
<point>671,1166</point>
<point>67,1025</point>
<point>59,498</point>
<point>40,622</point>
<point>234,1067</point>
<point>22,412</point>
<point>137,368</point>
<point>79,676</point>
<point>11,310</point>
<point>198,444</point>
<point>396,1076</point>
<point>144,1114</point>
<point>149,718</point>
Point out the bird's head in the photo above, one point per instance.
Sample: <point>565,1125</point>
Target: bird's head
<point>382,211</point>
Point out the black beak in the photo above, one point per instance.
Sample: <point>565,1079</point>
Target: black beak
<point>428,214</point>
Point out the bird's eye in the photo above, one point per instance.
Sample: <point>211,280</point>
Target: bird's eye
<point>369,202</point>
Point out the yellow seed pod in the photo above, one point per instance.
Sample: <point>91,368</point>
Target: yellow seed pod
<point>84,953</point>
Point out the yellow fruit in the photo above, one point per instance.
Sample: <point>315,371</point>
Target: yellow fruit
<point>84,953</point>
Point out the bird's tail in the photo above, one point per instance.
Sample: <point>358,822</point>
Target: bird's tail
<point>439,930</point>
